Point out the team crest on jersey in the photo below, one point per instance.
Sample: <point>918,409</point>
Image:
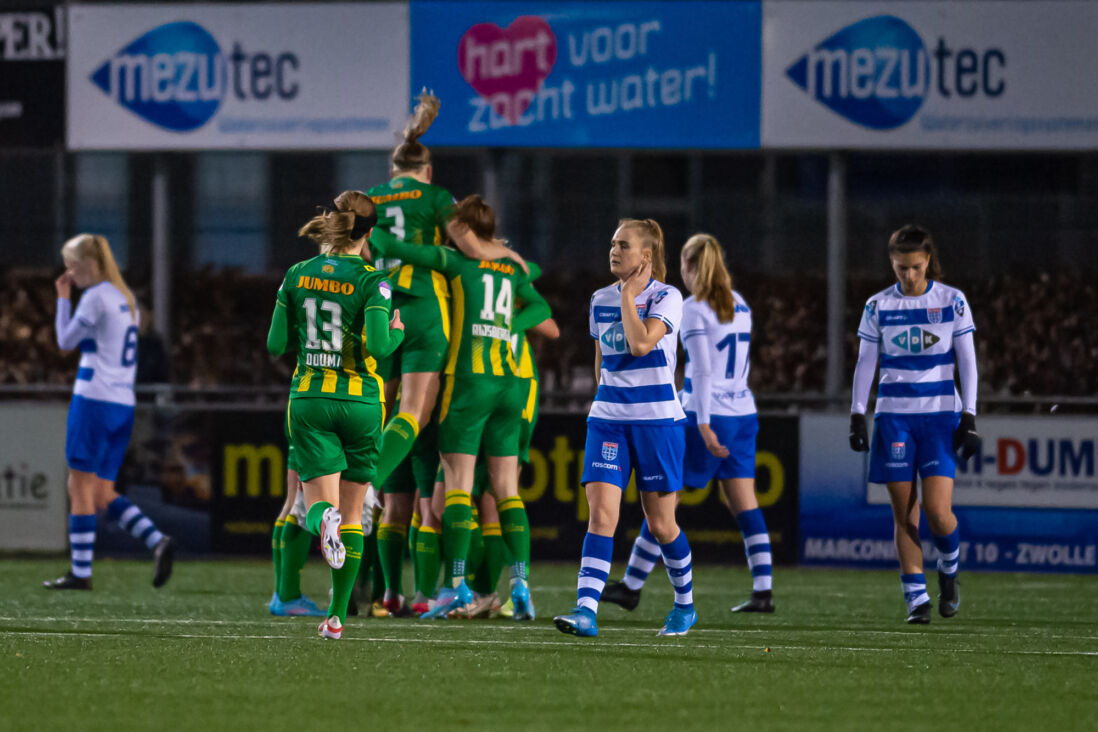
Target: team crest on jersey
<point>385,289</point>
<point>934,315</point>
<point>609,450</point>
<point>871,308</point>
<point>328,268</point>
<point>898,450</point>
<point>959,306</point>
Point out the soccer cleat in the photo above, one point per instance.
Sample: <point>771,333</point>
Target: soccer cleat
<point>163,559</point>
<point>521,602</point>
<point>378,610</point>
<point>418,608</point>
<point>450,598</point>
<point>482,606</point>
<point>581,621</point>
<point>301,607</point>
<point>330,543</point>
<point>949,595</point>
<point>761,601</point>
<point>398,608</point>
<point>619,594</point>
<point>920,615</point>
<point>68,582</point>
<point>274,603</point>
<point>679,621</point>
<point>507,610</point>
<point>331,628</point>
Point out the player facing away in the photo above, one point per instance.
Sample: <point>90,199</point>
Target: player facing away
<point>104,328</point>
<point>635,423</point>
<point>918,331</point>
<point>334,310</point>
<point>411,209</point>
<point>482,401</point>
<point>721,420</point>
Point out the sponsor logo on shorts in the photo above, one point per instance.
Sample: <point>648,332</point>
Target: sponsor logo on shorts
<point>898,450</point>
<point>609,451</point>
<point>897,465</point>
<point>606,466</point>
<point>931,464</point>
<point>652,477</point>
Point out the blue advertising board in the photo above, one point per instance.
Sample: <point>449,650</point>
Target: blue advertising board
<point>1027,502</point>
<point>597,74</point>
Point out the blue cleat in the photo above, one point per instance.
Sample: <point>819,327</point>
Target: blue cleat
<point>275,605</point>
<point>449,598</point>
<point>581,621</point>
<point>521,602</point>
<point>679,621</point>
<point>302,607</point>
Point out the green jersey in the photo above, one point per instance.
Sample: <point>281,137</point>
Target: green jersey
<point>414,213</point>
<point>326,299</point>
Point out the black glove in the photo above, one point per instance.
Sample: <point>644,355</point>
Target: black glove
<point>965,437</point>
<point>859,437</point>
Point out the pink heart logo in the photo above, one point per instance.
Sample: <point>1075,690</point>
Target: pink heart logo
<point>507,65</point>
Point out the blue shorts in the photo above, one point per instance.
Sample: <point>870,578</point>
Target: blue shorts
<point>654,451</point>
<point>906,445</point>
<point>97,436</point>
<point>736,433</point>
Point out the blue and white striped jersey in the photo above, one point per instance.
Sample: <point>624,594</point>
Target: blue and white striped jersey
<point>105,332</point>
<point>631,388</point>
<point>915,337</point>
<point>727,354</point>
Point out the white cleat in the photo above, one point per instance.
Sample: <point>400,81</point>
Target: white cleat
<point>330,543</point>
<point>331,628</point>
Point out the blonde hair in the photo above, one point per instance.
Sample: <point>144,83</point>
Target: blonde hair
<point>712,281</point>
<point>95,247</point>
<point>652,238</point>
<point>331,230</point>
<point>411,154</point>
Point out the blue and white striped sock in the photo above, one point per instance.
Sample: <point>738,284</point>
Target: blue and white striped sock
<point>756,545</point>
<point>130,518</point>
<point>680,570</point>
<point>594,569</point>
<point>914,586</point>
<point>949,552</point>
<point>82,543</point>
<point>643,558</point>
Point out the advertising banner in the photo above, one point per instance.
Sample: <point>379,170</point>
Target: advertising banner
<point>592,74</point>
<point>258,76</point>
<point>935,75</point>
<point>34,501</point>
<point>32,77</point>
<point>1025,502</point>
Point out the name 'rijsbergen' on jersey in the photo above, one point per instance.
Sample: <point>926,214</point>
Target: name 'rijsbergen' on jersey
<point>729,346</point>
<point>915,337</point>
<point>636,388</point>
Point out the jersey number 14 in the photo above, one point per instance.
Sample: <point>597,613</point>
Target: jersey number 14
<point>502,302</point>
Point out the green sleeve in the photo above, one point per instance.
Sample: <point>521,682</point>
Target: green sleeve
<point>432,257</point>
<point>535,271</point>
<point>380,341</point>
<point>279,334</point>
<point>534,310</point>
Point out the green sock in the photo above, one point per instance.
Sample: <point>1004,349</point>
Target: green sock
<point>343,579</point>
<point>410,547</point>
<point>315,516</point>
<point>390,549</point>
<point>396,441</point>
<point>377,573</point>
<point>276,551</point>
<point>495,555</point>
<point>457,524</point>
<point>296,543</point>
<point>516,533</point>
<point>473,572</point>
<point>428,560</point>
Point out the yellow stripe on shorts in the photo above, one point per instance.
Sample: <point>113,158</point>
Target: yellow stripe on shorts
<point>447,395</point>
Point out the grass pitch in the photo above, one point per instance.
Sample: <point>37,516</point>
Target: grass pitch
<point>204,654</point>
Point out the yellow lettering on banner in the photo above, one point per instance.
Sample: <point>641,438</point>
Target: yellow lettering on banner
<point>561,456</point>
<point>539,482</point>
<point>695,496</point>
<point>631,495</point>
<point>253,458</point>
<point>583,511</point>
<point>776,484</point>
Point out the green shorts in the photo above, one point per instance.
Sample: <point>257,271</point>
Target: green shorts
<point>426,336</point>
<point>417,471</point>
<point>481,415</point>
<point>335,436</point>
<point>529,418</point>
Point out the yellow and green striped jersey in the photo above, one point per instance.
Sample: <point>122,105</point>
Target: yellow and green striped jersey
<point>326,299</point>
<point>414,213</point>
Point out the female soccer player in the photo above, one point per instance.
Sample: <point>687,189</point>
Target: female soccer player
<point>918,329</point>
<point>413,210</point>
<point>721,420</point>
<point>635,423</point>
<point>335,310</point>
<point>101,413</point>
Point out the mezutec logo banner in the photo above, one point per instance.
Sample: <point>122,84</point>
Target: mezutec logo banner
<point>237,76</point>
<point>986,75</point>
<point>595,74</point>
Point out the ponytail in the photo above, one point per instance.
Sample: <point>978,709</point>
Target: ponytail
<point>712,281</point>
<point>335,230</point>
<point>652,238</point>
<point>94,246</point>
<point>411,154</point>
